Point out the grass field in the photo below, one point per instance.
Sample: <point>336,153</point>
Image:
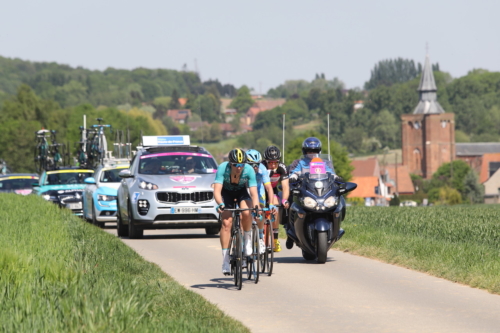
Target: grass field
<point>60,274</point>
<point>459,243</point>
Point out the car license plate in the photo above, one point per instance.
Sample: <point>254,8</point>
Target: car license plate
<point>77,205</point>
<point>185,210</point>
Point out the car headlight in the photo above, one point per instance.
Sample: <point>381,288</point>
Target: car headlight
<point>310,202</point>
<point>104,197</point>
<point>330,201</point>
<point>147,185</point>
<point>49,197</point>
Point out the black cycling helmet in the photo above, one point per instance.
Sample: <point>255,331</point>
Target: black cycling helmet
<point>272,153</point>
<point>237,156</point>
<point>312,145</point>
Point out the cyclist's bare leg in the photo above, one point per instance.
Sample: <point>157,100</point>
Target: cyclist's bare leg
<point>225,231</point>
<point>276,223</point>
<point>246,216</point>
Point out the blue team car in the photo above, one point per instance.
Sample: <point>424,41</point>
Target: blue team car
<point>99,195</point>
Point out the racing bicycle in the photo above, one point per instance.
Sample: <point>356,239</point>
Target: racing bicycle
<point>98,143</point>
<point>267,258</point>
<point>236,246</point>
<point>41,155</point>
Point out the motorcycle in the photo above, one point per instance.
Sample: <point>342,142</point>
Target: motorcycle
<point>317,210</point>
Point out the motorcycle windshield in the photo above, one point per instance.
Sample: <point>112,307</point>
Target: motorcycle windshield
<point>319,165</point>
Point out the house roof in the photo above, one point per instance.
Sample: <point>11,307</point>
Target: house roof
<point>366,168</point>
<point>178,114</point>
<point>268,104</point>
<point>404,183</point>
<point>476,148</point>
<point>183,101</point>
<point>366,187</point>
<point>487,169</point>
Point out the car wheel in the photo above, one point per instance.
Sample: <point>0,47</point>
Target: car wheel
<point>94,218</point>
<point>121,229</point>
<point>133,231</point>
<point>212,230</point>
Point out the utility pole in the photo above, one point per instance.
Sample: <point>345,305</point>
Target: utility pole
<point>396,168</point>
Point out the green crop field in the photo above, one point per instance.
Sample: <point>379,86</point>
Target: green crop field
<point>459,243</point>
<point>60,274</point>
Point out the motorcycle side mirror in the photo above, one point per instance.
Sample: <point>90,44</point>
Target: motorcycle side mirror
<point>350,186</point>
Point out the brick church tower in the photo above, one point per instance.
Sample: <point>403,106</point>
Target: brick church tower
<point>428,135</point>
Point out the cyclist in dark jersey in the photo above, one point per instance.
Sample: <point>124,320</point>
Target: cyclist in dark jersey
<point>277,173</point>
<point>230,188</point>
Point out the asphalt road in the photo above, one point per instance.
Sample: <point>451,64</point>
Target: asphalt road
<point>347,294</point>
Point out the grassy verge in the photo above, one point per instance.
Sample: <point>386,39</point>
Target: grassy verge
<point>59,274</point>
<point>461,244</point>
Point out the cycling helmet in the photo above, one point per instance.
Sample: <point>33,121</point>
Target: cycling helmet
<point>312,145</point>
<point>237,156</point>
<point>272,153</point>
<point>253,156</point>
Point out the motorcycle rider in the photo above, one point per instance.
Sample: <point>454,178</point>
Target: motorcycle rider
<point>311,148</point>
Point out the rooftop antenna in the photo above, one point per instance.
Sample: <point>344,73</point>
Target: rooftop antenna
<point>283,155</point>
<point>196,68</point>
<point>328,129</point>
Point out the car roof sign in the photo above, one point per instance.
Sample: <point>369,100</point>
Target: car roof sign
<point>166,140</point>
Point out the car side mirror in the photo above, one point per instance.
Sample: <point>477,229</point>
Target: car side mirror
<point>126,174</point>
<point>89,180</point>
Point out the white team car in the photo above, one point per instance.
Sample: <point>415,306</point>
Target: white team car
<point>168,186</point>
<point>99,195</point>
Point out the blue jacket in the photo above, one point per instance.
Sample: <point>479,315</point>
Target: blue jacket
<point>298,165</point>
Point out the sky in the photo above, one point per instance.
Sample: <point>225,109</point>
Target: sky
<point>257,43</point>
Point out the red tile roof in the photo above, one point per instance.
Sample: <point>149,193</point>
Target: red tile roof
<point>485,165</point>
<point>404,183</point>
<point>366,187</point>
<point>366,168</point>
<point>178,115</point>
<point>183,101</point>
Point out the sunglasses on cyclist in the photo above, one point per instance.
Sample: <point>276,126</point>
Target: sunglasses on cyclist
<point>238,165</point>
<point>273,162</point>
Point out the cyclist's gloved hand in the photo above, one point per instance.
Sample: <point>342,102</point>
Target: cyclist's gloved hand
<point>272,207</point>
<point>220,208</point>
<point>338,178</point>
<point>257,215</point>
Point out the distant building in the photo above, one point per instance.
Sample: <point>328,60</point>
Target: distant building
<point>260,106</point>
<point>179,116</point>
<point>371,186</point>
<point>428,135</point>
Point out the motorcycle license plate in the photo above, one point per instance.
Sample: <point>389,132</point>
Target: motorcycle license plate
<point>77,205</point>
<point>185,210</point>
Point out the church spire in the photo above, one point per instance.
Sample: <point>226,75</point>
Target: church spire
<point>428,103</point>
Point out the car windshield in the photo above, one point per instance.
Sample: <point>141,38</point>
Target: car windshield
<point>17,184</point>
<point>67,177</point>
<point>111,176</point>
<point>177,163</point>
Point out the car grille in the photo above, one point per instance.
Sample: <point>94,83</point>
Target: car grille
<point>185,217</point>
<point>174,197</point>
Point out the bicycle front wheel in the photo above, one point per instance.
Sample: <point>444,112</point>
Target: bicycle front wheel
<point>269,249</point>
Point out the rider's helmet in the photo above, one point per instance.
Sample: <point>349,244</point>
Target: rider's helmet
<point>272,153</point>
<point>311,145</point>
<point>253,157</point>
<point>237,156</point>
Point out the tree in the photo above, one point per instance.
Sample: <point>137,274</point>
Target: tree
<point>473,191</point>
<point>243,100</point>
<point>451,175</point>
<point>388,72</point>
<point>174,101</point>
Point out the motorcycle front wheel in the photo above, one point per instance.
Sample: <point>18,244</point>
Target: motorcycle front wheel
<point>322,241</point>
